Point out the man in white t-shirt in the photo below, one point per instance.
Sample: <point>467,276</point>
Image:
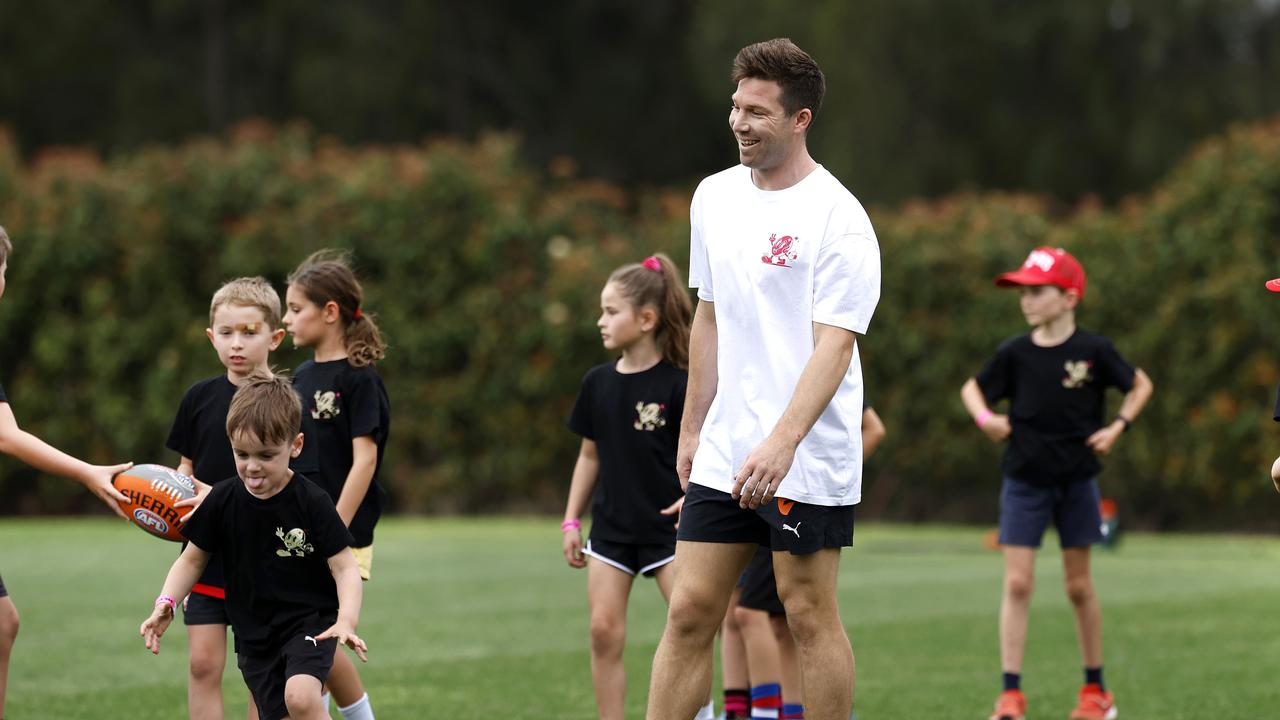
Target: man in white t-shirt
<point>787,269</point>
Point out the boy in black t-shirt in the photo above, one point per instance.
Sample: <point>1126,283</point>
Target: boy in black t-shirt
<point>293,589</point>
<point>244,328</point>
<point>1055,378</point>
<point>22,445</point>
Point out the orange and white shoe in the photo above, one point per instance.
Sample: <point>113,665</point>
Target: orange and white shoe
<point>1011,705</point>
<point>1094,704</point>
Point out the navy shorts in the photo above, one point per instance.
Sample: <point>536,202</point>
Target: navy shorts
<point>759,586</point>
<point>1027,509</point>
<point>201,609</point>
<point>266,675</point>
<point>630,558</point>
<point>782,525</point>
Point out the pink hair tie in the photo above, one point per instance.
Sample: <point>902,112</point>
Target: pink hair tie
<point>653,263</point>
<point>357,314</point>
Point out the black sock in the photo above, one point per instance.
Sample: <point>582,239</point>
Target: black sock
<point>1093,676</point>
<point>1013,681</point>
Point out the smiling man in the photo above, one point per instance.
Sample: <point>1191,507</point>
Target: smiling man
<point>787,270</point>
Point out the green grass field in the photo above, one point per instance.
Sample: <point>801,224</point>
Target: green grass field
<point>481,619</point>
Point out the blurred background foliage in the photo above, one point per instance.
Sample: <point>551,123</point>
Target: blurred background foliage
<point>490,162</point>
<point>1060,98</point>
<point>485,274</point>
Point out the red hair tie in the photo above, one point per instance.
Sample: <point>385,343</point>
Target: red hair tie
<point>357,314</point>
<point>653,263</point>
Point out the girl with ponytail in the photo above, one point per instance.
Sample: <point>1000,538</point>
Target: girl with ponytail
<point>348,404</point>
<point>628,414</point>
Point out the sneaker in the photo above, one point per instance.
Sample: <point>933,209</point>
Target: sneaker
<point>1011,705</point>
<point>1094,704</point>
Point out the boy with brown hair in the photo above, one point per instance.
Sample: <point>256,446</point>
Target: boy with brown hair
<point>1055,378</point>
<point>293,589</point>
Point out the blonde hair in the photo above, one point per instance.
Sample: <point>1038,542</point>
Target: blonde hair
<point>326,276</point>
<point>254,292</point>
<point>6,246</point>
<point>656,283</point>
<point>268,407</point>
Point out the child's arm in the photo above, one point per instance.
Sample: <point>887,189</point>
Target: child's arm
<point>996,427</point>
<point>186,466</point>
<point>364,460</point>
<point>585,473</point>
<point>185,572</point>
<point>873,432</point>
<point>28,448</point>
<point>1101,441</point>
<point>346,575</point>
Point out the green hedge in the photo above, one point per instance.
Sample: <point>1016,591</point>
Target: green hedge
<point>485,274</point>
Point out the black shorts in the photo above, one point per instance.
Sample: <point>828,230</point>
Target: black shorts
<point>202,609</point>
<point>759,587</point>
<point>266,675</point>
<point>783,525</point>
<point>3,592</point>
<point>630,558</point>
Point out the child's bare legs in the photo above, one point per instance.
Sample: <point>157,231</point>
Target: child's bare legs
<point>8,633</point>
<point>733,652</point>
<point>607,591</point>
<point>253,709</point>
<point>762,648</point>
<point>344,680</point>
<point>302,697</point>
<point>789,658</point>
<point>1015,604</point>
<point>1079,582</point>
<point>204,678</point>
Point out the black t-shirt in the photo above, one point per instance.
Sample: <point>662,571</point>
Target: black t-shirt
<point>1276,418</point>
<point>346,402</point>
<point>275,552</point>
<point>200,433</point>
<point>1056,401</point>
<point>634,419</point>
<point>3,397</point>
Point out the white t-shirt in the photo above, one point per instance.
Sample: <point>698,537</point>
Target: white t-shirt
<point>774,263</point>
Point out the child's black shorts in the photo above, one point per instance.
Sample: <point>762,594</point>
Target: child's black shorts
<point>266,675</point>
<point>202,609</point>
<point>710,515</point>
<point>759,587</point>
<point>630,558</point>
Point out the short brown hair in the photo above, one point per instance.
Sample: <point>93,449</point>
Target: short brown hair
<point>781,61</point>
<point>268,407</point>
<point>253,292</point>
<point>6,246</point>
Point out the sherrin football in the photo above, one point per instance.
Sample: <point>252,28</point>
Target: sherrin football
<point>152,490</point>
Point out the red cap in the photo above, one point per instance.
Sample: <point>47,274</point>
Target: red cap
<point>1274,285</point>
<point>1049,266</point>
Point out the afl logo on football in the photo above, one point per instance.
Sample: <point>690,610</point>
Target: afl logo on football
<point>150,521</point>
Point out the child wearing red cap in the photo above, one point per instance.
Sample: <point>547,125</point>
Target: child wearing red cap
<point>1055,378</point>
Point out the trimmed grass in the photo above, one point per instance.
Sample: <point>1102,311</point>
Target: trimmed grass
<point>480,618</point>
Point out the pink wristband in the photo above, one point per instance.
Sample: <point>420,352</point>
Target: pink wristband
<point>173,604</point>
<point>568,525</point>
<point>983,417</point>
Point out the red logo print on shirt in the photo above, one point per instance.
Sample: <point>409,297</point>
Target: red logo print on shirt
<point>783,251</point>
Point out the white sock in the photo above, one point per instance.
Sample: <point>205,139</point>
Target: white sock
<point>324,702</point>
<point>358,710</point>
<point>708,712</point>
